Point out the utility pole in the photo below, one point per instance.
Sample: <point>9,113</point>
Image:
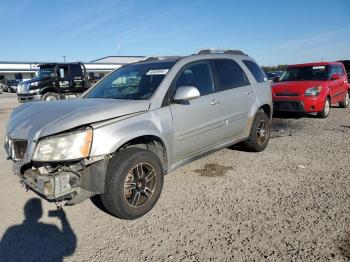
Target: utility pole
<point>64,59</point>
<point>118,46</point>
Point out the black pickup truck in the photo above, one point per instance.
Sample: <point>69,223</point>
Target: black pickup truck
<point>55,81</point>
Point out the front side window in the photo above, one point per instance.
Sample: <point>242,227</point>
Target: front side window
<point>197,75</point>
<point>305,73</point>
<point>137,81</point>
<point>256,71</point>
<point>230,74</point>
<point>45,71</point>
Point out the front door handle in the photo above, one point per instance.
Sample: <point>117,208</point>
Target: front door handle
<point>249,91</point>
<point>214,102</point>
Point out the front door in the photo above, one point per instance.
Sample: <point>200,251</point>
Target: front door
<point>198,123</point>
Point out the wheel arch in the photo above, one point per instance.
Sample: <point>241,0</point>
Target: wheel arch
<point>266,109</point>
<point>151,142</point>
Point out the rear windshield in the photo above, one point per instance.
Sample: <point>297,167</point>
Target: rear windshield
<point>305,73</point>
<point>137,81</point>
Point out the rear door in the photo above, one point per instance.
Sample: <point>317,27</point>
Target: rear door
<point>238,97</point>
<point>197,123</point>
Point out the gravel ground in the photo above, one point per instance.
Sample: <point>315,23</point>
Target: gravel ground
<point>288,203</point>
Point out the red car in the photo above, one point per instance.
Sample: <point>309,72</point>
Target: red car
<point>313,87</point>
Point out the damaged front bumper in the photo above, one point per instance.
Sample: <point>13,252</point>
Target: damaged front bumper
<point>72,183</point>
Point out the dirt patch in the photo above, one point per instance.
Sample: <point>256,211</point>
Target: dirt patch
<point>344,247</point>
<point>213,170</point>
<point>284,127</point>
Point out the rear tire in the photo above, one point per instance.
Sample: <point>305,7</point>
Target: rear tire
<point>346,100</point>
<point>134,182</point>
<point>259,133</point>
<point>50,96</point>
<point>326,108</point>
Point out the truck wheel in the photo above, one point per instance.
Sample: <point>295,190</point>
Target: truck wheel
<point>50,96</point>
<point>259,133</point>
<point>346,100</point>
<point>325,111</point>
<point>133,183</point>
<point>1,89</point>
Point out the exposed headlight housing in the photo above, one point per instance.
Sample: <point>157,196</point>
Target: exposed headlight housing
<point>313,91</point>
<point>67,146</point>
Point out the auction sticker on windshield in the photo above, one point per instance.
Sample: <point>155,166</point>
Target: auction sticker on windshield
<point>157,72</point>
<point>318,67</point>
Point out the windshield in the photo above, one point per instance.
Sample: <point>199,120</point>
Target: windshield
<point>305,73</point>
<point>137,81</point>
<point>45,71</point>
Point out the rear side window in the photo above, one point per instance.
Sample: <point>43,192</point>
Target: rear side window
<point>230,74</point>
<point>255,70</point>
<point>197,75</point>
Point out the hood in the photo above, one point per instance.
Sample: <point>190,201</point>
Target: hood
<point>36,79</point>
<point>38,119</point>
<point>295,86</point>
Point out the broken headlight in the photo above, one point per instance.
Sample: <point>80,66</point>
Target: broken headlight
<point>67,146</point>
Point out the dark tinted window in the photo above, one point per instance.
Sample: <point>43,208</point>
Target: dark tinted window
<point>76,71</point>
<point>230,74</point>
<point>255,70</point>
<point>197,75</point>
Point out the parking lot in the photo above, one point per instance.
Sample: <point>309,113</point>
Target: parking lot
<point>289,202</point>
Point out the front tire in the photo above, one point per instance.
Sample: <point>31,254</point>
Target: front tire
<point>346,101</point>
<point>134,182</point>
<point>326,108</point>
<point>50,96</point>
<point>259,133</point>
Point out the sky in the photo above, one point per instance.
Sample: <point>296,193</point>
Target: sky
<point>272,32</point>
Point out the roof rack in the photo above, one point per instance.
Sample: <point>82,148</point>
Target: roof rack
<point>152,58</point>
<point>219,51</point>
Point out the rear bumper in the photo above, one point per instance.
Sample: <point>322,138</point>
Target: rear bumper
<point>306,105</point>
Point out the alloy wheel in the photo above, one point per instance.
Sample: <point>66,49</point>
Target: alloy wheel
<point>326,107</point>
<point>140,184</point>
<point>261,132</point>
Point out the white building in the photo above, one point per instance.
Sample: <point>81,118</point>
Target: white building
<point>99,67</point>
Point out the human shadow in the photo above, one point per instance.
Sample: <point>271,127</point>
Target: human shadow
<point>36,241</point>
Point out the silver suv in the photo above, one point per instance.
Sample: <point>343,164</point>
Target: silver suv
<point>137,124</point>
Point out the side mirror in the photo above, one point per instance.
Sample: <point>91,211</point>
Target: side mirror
<point>335,76</point>
<point>186,93</point>
<point>61,71</point>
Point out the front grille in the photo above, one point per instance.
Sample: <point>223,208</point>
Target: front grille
<point>287,94</point>
<point>23,88</point>
<point>16,148</point>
